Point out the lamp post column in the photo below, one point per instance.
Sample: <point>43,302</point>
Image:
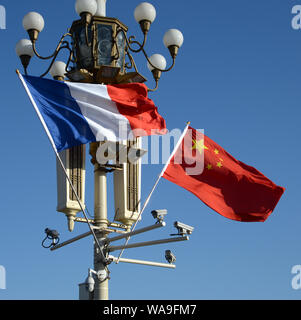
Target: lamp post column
<point>101,289</point>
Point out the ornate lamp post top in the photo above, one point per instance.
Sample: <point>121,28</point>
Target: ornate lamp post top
<point>99,49</point>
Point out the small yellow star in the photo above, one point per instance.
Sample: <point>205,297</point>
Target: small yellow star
<point>219,164</point>
<point>199,145</point>
<point>216,151</point>
<point>209,166</point>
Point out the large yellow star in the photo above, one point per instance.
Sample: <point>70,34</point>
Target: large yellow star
<point>219,164</point>
<point>199,145</point>
<point>209,166</point>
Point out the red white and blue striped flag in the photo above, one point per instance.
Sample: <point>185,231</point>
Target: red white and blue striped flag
<point>79,113</point>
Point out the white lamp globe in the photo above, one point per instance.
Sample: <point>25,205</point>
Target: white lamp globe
<point>173,37</point>
<point>145,11</point>
<point>24,48</point>
<point>89,6</point>
<point>157,61</point>
<point>101,8</point>
<point>33,21</point>
<point>58,69</point>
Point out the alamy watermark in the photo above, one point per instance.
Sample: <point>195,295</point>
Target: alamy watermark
<point>2,18</point>
<point>159,148</point>
<point>296,21</point>
<point>2,278</point>
<point>296,280</point>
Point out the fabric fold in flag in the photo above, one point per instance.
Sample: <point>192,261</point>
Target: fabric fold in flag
<point>80,113</point>
<point>228,186</point>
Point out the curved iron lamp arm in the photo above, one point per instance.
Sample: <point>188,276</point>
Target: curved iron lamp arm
<point>133,41</point>
<point>70,59</point>
<point>129,65</point>
<point>130,41</point>
<point>133,63</point>
<point>51,64</point>
<point>156,87</point>
<point>58,48</point>
<point>141,49</point>
<point>55,56</point>
<point>162,70</point>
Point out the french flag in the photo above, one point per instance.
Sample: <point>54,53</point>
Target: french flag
<point>80,113</point>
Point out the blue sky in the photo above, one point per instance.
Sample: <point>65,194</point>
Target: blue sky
<point>237,77</point>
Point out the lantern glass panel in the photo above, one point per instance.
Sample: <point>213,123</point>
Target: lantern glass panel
<point>85,57</point>
<point>104,44</point>
<point>121,49</point>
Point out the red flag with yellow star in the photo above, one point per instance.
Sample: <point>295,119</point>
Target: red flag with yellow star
<point>228,186</point>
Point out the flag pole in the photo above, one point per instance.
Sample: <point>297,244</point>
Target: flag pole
<point>58,157</point>
<point>154,187</point>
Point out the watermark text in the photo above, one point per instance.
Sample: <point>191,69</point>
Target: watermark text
<point>158,149</point>
<point>296,21</point>
<point>2,17</point>
<point>2,278</point>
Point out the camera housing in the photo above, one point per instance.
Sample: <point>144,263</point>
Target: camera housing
<point>52,234</point>
<point>183,229</point>
<point>159,214</point>
<point>169,256</point>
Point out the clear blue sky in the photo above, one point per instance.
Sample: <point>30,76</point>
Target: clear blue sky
<point>238,77</point>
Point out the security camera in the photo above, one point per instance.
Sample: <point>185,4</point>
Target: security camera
<point>90,283</point>
<point>102,275</point>
<point>183,229</point>
<point>169,256</point>
<point>52,235</point>
<point>159,214</point>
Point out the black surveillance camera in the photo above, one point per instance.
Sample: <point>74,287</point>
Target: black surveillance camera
<point>169,256</point>
<point>52,235</point>
<point>159,214</point>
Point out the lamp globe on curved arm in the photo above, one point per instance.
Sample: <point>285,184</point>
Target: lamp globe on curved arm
<point>157,62</point>
<point>24,48</point>
<point>101,8</point>
<point>86,9</point>
<point>173,40</point>
<point>33,23</point>
<point>145,14</point>
<point>89,6</point>
<point>156,65</point>
<point>25,51</point>
<point>58,70</point>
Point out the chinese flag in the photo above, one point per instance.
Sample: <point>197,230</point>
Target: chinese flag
<point>228,186</point>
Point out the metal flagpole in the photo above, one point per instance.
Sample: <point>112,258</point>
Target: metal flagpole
<point>154,187</point>
<point>59,158</point>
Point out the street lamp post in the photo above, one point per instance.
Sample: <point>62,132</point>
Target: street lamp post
<point>101,289</point>
<point>99,51</point>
